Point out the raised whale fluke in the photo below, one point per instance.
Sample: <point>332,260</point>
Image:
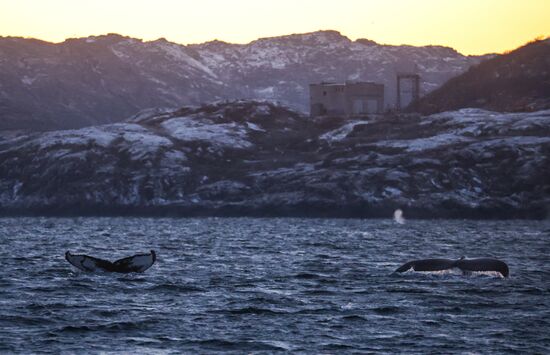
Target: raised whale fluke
<point>483,264</point>
<point>136,263</point>
<point>466,265</point>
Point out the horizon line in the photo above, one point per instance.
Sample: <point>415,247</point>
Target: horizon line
<point>144,40</point>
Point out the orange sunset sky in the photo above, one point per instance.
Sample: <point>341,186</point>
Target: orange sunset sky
<point>470,26</point>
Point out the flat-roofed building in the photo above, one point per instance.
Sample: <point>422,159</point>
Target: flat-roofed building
<point>346,99</point>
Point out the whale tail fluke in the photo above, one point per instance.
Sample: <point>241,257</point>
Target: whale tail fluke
<point>465,265</point>
<point>88,263</point>
<point>135,263</point>
<point>484,265</point>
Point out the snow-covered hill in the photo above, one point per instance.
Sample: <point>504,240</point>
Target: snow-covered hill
<point>106,79</point>
<point>257,158</point>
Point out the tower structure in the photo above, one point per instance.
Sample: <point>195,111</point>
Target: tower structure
<point>412,90</point>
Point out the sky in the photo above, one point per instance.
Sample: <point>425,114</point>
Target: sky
<point>470,26</point>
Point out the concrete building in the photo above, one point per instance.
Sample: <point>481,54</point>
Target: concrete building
<point>347,99</point>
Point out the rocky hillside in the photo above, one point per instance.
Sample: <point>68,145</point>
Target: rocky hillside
<point>517,81</point>
<point>257,158</point>
<point>105,79</point>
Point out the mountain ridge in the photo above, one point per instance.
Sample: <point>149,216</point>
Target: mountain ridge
<point>106,78</point>
<point>335,33</point>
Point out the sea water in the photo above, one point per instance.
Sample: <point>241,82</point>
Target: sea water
<point>267,285</point>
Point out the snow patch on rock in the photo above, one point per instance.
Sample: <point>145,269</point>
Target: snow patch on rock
<point>178,52</point>
<point>27,81</point>
<point>341,133</point>
<point>188,129</point>
<point>420,144</point>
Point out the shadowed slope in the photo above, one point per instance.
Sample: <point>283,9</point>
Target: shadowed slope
<point>517,81</point>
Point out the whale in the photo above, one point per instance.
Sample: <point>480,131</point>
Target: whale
<point>136,263</point>
<point>467,266</point>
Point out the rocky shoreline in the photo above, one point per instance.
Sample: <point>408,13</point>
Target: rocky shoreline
<point>255,158</point>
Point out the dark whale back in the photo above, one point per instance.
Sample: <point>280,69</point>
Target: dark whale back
<point>428,265</point>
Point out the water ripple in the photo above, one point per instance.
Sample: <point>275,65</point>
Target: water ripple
<point>271,285</point>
